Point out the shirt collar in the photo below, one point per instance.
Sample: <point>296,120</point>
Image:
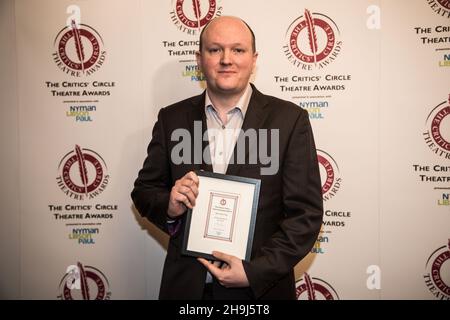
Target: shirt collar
<point>242,104</point>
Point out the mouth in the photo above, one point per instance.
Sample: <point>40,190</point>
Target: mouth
<point>226,72</point>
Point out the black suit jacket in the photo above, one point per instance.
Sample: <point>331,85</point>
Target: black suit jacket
<point>289,213</point>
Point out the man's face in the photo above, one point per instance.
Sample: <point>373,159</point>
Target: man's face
<point>227,58</point>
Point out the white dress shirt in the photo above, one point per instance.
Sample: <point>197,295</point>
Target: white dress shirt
<point>223,136</point>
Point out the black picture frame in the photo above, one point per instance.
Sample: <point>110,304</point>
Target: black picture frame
<point>249,217</point>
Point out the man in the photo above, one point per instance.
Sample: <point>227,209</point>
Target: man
<point>289,214</point>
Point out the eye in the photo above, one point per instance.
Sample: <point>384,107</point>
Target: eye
<point>213,50</point>
<point>239,50</point>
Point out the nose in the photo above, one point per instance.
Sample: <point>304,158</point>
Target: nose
<point>225,59</point>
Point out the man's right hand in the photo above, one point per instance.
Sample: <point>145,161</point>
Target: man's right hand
<point>183,194</point>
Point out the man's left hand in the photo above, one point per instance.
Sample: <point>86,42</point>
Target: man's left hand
<point>231,274</point>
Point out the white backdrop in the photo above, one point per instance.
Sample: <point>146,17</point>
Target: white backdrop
<point>378,99</point>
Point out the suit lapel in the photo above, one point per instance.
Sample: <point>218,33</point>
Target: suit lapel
<point>254,119</point>
<point>195,116</point>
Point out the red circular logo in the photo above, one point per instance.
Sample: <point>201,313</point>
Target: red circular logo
<point>223,202</point>
<point>437,134</point>
<point>329,173</point>
<point>192,16</point>
<point>78,39</point>
<point>89,185</point>
<point>436,128</point>
<point>82,174</point>
<point>329,179</point>
<point>444,3</point>
<point>312,41</point>
<point>198,16</point>
<point>78,50</point>
<point>84,283</point>
<point>437,272</point>
<point>315,54</point>
<point>437,278</point>
<point>308,288</point>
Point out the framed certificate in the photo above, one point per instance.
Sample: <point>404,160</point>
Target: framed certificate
<point>223,218</point>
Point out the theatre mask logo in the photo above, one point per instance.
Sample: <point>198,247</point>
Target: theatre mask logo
<point>79,50</point>
<point>437,131</point>
<point>310,288</point>
<point>84,283</point>
<point>437,275</point>
<point>82,174</point>
<point>312,41</point>
<point>191,16</point>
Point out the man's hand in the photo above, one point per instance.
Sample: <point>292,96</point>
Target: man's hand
<point>183,194</point>
<point>231,274</point>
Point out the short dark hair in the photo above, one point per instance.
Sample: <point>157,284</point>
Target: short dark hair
<point>251,31</point>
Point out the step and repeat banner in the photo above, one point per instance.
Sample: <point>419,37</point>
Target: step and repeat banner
<point>373,75</point>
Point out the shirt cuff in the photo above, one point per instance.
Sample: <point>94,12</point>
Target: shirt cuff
<point>173,226</point>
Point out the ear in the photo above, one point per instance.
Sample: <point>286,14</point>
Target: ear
<point>255,57</point>
<point>198,57</point>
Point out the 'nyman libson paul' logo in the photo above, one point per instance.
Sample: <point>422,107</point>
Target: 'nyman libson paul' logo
<point>329,174</point>
<point>79,50</point>
<point>312,41</point>
<point>191,16</point>
<point>437,133</point>
<point>82,174</point>
<point>84,283</point>
<point>310,288</point>
<point>437,276</point>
